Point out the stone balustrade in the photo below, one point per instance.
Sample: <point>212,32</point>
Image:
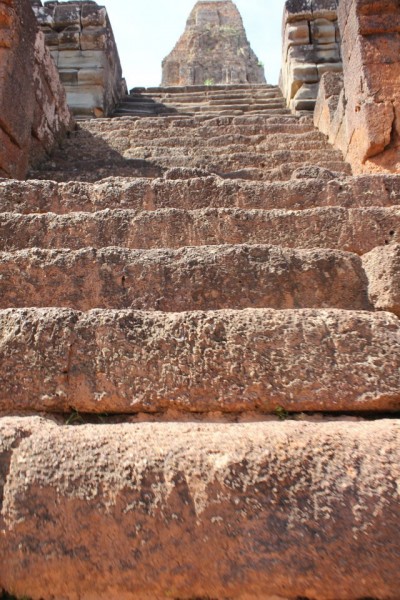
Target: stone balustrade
<point>311,47</point>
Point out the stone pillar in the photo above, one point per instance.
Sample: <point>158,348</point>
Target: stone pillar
<point>311,47</point>
<point>81,41</point>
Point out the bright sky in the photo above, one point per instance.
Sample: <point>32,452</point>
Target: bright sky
<point>147,30</point>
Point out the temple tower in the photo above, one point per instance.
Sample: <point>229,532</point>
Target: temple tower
<point>213,49</point>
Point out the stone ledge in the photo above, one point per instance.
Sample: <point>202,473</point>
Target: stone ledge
<point>124,361</point>
<point>185,510</point>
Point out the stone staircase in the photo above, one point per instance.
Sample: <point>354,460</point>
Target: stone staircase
<point>232,141</point>
<point>212,100</point>
<point>200,361</point>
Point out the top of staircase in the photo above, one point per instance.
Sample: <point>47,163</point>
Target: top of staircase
<point>212,100</point>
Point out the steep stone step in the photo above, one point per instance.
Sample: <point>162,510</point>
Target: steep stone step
<point>239,166</point>
<point>166,493</point>
<point>126,361</point>
<point>235,142</point>
<point>233,158</point>
<point>353,230</point>
<point>206,278</point>
<point>92,171</point>
<point>200,126</point>
<point>202,99</point>
<point>183,190</point>
<point>207,88</point>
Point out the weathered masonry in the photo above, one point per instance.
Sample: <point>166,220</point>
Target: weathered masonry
<point>82,44</point>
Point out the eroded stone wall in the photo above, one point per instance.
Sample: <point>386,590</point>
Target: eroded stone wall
<point>311,47</point>
<point>34,115</point>
<point>213,49</point>
<point>361,112</point>
<point>82,44</point>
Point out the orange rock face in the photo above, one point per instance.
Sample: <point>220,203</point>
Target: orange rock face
<point>213,49</point>
<point>34,113</point>
<point>362,116</point>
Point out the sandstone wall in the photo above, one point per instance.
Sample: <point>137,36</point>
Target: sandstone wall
<point>33,112</point>
<point>360,114</point>
<point>213,49</point>
<point>82,44</point>
<point>311,47</point>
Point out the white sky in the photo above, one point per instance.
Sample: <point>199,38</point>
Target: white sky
<point>147,30</point>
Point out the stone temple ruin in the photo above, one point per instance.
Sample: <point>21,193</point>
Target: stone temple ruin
<point>199,310</point>
<point>214,49</point>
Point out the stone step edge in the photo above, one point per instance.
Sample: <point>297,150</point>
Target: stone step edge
<point>126,361</point>
<point>356,230</point>
<point>196,191</point>
<point>201,278</point>
<point>169,492</point>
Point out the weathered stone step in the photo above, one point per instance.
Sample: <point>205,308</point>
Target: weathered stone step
<point>126,361</point>
<point>243,103</point>
<point>223,110</point>
<point>151,106</point>
<point>238,142</point>
<point>189,89</point>
<point>92,170</point>
<point>200,126</point>
<point>205,97</point>
<point>353,230</point>
<point>165,494</point>
<point>206,278</point>
<point>140,112</point>
<point>184,191</point>
<point>235,156</point>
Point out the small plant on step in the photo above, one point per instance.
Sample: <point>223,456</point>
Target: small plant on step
<point>281,413</point>
<point>75,418</point>
<point>209,82</point>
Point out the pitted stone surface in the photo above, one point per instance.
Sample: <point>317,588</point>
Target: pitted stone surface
<point>206,191</point>
<point>353,230</point>
<point>213,510</point>
<point>205,278</point>
<point>125,361</point>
